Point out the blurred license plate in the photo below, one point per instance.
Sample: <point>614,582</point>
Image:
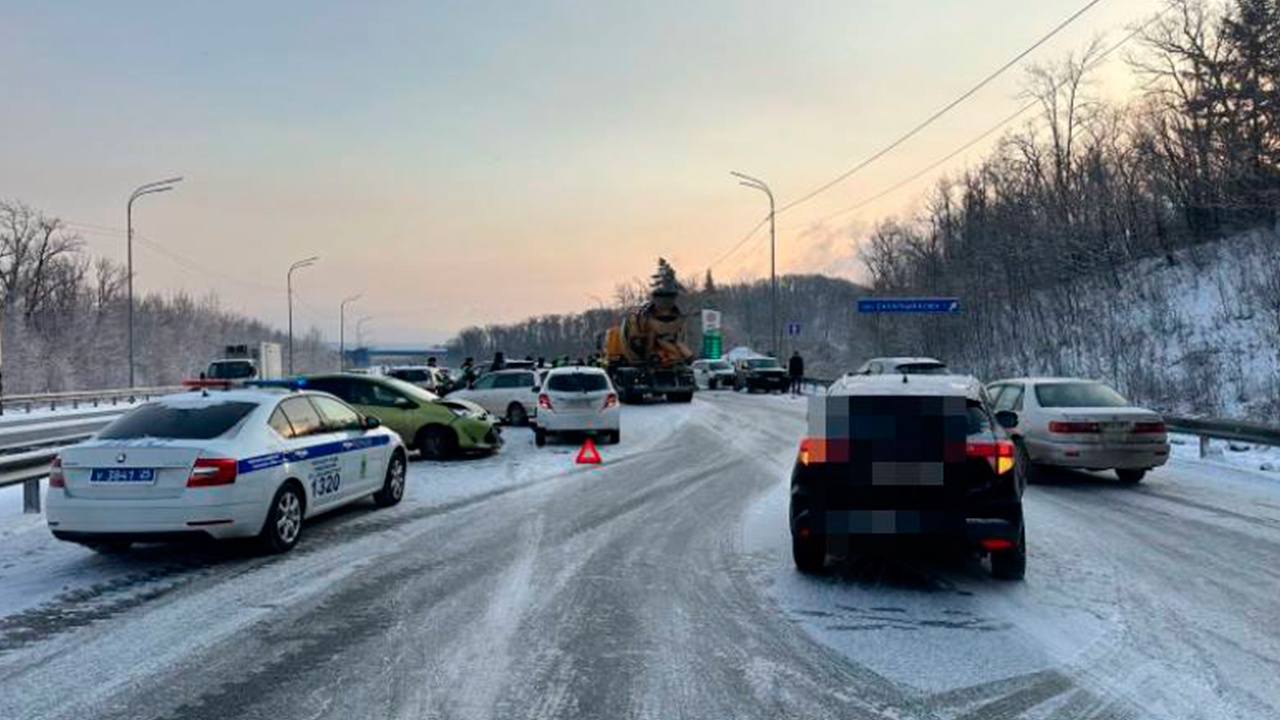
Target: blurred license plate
<point>578,404</point>
<point>123,475</point>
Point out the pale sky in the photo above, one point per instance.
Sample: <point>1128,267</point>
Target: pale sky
<point>473,162</point>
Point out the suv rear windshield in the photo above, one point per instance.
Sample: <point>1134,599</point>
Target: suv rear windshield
<point>1082,394</point>
<point>155,420</point>
<point>230,370</point>
<point>577,382</point>
<point>922,369</point>
<point>762,363</point>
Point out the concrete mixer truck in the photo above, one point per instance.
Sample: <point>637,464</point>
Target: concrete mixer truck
<point>646,352</point>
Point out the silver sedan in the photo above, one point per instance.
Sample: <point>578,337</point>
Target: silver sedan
<point>1069,422</point>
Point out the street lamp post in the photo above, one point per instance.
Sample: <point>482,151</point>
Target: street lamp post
<point>342,332</point>
<point>289,285</point>
<point>360,329</point>
<point>147,189</point>
<point>758,184</point>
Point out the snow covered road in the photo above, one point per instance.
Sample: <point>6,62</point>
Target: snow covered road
<point>659,585</point>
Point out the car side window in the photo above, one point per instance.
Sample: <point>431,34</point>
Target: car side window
<point>334,386</point>
<point>485,382</point>
<point>302,416</point>
<point>509,380</point>
<point>337,416</point>
<point>979,421</point>
<point>994,395</point>
<point>382,396</point>
<point>280,423</point>
<point>1013,398</point>
<point>876,368</point>
<point>527,380</point>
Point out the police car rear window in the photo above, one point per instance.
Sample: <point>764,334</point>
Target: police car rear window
<point>922,369</point>
<point>577,382</point>
<point>156,420</point>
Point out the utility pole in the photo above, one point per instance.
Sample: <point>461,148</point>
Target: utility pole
<point>342,332</point>
<point>158,186</point>
<point>289,285</point>
<point>758,184</point>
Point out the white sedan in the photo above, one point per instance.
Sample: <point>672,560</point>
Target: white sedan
<point>1074,423</point>
<point>222,464</point>
<point>577,399</point>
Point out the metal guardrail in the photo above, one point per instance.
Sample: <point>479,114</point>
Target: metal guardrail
<point>27,469</point>
<point>94,398</point>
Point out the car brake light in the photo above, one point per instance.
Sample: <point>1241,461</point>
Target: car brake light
<point>57,479</point>
<point>610,400</point>
<point>1148,427</point>
<point>995,544</point>
<point>998,453</point>
<point>544,401</point>
<point>1074,428</point>
<point>806,451</point>
<point>209,472</point>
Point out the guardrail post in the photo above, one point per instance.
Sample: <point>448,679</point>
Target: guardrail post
<point>31,496</point>
<point>1204,446</point>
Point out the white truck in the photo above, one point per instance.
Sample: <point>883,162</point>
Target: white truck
<point>241,363</point>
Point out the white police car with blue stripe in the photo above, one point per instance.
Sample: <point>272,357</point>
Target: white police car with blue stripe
<point>222,464</point>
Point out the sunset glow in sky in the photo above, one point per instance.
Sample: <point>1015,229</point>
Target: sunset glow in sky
<point>470,162</point>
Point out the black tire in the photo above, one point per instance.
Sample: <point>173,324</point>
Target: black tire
<point>283,526</point>
<point>539,437</point>
<point>1030,471</point>
<point>1011,564</point>
<point>517,415</point>
<point>436,442</point>
<point>680,397</point>
<point>109,547</point>
<point>809,554</point>
<point>393,486</point>
<point>613,437</point>
<point>1130,476</point>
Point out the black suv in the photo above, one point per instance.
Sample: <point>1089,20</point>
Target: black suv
<point>897,458</point>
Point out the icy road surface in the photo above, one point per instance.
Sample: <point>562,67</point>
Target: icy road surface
<point>660,586</point>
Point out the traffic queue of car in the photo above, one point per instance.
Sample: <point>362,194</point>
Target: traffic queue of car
<point>258,459</point>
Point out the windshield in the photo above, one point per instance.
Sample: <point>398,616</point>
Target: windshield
<point>411,390</point>
<point>762,363</point>
<point>922,369</point>
<point>157,420</point>
<point>577,382</point>
<point>231,370</point>
<point>720,366</point>
<point>1082,394</point>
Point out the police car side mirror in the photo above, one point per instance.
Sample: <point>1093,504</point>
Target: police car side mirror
<point>1008,419</point>
<point>371,422</point>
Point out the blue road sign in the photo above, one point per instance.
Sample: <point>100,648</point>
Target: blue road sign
<point>908,305</point>
<point>793,329</point>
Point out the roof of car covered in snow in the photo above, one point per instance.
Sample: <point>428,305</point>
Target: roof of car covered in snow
<point>922,385</point>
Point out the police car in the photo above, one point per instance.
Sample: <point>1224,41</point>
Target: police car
<point>222,464</point>
<point>896,459</point>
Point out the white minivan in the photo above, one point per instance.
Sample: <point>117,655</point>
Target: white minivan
<point>577,399</point>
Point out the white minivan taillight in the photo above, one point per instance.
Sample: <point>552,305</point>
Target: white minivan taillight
<point>610,400</point>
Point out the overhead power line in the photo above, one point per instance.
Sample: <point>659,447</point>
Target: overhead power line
<point>942,111</point>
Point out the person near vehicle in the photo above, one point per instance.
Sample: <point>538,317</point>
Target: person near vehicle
<point>499,362</point>
<point>542,362</point>
<point>795,368</point>
<point>468,371</point>
<point>431,362</point>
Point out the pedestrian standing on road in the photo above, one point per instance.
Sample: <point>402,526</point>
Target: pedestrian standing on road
<point>795,368</point>
<point>431,361</point>
<point>468,371</point>
<point>499,362</point>
<point>542,362</point>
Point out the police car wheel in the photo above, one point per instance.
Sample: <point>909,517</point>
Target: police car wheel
<point>284,520</point>
<point>1011,564</point>
<point>393,487</point>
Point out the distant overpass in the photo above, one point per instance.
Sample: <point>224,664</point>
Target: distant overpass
<point>364,356</point>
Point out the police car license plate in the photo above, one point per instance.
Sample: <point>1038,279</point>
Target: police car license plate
<point>120,476</point>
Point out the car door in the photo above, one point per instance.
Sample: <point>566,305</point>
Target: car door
<point>304,447</point>
<point>512,387</point>
<point>483,393</point>
<point>358,463</point>
<point>395,409</point>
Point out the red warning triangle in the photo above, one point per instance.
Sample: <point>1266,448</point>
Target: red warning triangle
<point>587,454</point>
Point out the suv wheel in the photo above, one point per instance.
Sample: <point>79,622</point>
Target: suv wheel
<point>1011,564</point>
<point>517,415</point>
<point>393,487</point>
<point>1130,476</point>
<point>436,442</point>
<point>809,554</point>
<point>284,520</point>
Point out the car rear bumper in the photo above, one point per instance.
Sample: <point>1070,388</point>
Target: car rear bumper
<point>565,421</point>
<point>845,530</point>
<point>78,518</point>
<point>1136,456</point>
<point>768,382</point>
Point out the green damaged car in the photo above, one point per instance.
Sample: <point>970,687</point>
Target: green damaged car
<point>437,427</point>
